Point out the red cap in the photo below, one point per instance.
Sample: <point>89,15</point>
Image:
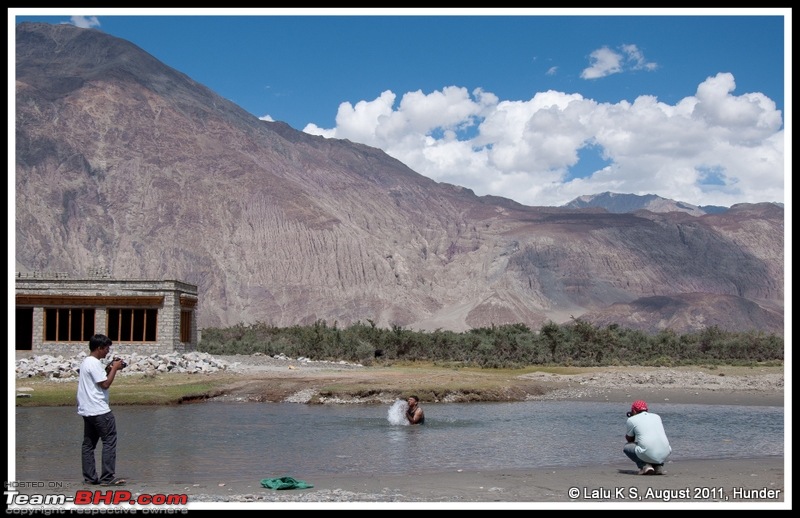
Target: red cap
<point>638,406</point>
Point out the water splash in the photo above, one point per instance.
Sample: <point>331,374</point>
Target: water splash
<point>397,413</point>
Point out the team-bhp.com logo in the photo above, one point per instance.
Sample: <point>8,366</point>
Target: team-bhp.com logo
<point>19,502</point>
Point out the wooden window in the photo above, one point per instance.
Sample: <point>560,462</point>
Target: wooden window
<point>68,324</point>
<point>132,325</point>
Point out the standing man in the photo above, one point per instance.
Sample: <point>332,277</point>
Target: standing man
<point>98,421</point>
<point>414,414</point>
<point>647,443</point>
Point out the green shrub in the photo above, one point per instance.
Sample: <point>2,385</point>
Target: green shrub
<point>576,343</point>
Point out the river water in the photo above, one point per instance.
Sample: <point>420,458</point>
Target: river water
<point>214,441</point>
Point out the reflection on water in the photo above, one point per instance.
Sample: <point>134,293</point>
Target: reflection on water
<point>224,441</point>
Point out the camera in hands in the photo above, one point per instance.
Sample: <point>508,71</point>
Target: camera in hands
<point>122,365</point>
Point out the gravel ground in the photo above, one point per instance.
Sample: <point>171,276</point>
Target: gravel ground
<point>660,379</point>
<point>252,363</point>
<point>744,379</point>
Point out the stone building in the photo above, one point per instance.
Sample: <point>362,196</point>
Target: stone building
<point>57,315</point>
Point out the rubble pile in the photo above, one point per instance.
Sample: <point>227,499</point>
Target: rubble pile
<point>58,367</point>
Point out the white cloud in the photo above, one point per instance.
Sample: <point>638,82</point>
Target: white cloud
<point>713,148</point>
<point>266,118</point>
<point>85,22</point>
<point>605,62</point>
<point>636,58</point>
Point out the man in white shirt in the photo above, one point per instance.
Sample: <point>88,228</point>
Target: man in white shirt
<point>98,421</point>
<point>647,445</point>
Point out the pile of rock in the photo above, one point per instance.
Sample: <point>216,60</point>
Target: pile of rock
<point>58,367</point>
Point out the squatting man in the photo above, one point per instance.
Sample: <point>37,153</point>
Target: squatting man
<point>647,444</point>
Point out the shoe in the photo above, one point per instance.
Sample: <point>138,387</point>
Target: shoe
<point>647,470</point>
<point>658,469</point>
<point>92,482</point>
<point>114,482</point>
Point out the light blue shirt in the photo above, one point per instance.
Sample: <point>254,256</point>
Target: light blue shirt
<point>92,399</point>
<point>652,445</point>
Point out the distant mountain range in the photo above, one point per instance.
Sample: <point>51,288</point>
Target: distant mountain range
<point>622,203</point>
<point>127,166</point>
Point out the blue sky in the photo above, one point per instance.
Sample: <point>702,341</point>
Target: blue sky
<point>540,106</point>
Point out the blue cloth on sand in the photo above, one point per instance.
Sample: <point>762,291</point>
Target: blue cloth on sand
<point>285,483</point>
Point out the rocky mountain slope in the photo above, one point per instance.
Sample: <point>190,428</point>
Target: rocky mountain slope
<point>127,166</point>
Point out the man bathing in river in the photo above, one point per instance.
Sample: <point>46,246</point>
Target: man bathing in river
<point>414,414</point>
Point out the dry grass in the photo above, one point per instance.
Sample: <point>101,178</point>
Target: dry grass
<point>126,390</point>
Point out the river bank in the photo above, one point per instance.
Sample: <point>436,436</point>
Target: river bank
<point>718,484</point>
<point>715,483</point>
<point>260,378</point>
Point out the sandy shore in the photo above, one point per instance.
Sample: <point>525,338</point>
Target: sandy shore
<point>720,482</point>
<point>758,483</point>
